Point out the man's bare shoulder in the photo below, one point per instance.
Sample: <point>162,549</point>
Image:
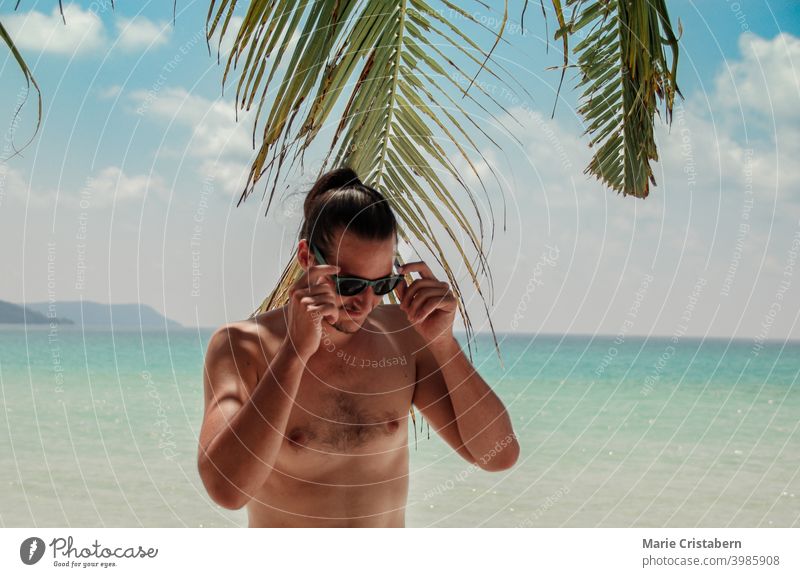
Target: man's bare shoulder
<point>270,324</point>
<point>255,337</point>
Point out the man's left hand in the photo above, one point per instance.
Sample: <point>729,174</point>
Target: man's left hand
<point>429,303</point>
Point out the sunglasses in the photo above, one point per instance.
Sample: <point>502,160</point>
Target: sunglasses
<point>349,286</point>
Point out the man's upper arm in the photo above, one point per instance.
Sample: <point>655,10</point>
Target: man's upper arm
<point>432,398</point>
<point>225,371</point>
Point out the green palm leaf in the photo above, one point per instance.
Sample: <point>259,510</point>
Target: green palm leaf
<point>624,68</point>
<point>29,79</point>
<point>384,63</point>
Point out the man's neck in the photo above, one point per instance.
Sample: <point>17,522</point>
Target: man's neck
<point>332,335</point>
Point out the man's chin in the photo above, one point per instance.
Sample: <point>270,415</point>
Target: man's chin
<point>348,323</point>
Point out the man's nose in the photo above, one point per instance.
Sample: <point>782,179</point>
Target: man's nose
<point>366,298</point>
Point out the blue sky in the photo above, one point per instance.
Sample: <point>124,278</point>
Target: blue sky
<point>129,190</point>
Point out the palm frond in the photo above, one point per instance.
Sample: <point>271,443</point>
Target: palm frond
<point>29,79</point>
<point>623,61</point>
<point>385,65</point>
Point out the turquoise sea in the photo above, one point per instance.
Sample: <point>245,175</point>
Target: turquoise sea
<point>99,428</point>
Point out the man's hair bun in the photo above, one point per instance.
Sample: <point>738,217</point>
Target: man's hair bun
<point>339,200</point>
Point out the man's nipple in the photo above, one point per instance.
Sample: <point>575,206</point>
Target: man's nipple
<point>297,439</point>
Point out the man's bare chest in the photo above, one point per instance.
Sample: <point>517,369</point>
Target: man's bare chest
<point>348,403</point>
<point>352,399</point>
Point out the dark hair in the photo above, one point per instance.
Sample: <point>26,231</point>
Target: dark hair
<point>339,200</point>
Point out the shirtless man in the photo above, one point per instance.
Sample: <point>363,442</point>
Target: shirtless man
<point>307,405</point>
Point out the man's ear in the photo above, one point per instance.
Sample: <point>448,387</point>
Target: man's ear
<point>303,254</point>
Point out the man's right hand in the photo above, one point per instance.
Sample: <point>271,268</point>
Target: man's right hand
<point>311,298</point>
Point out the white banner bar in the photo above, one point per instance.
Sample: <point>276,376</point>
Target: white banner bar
<point>400,552</point>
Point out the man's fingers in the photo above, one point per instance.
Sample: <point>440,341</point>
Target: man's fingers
<point>401,289</point>
<point>311,276</point>
<point>323,289</point>
<point>318,274</point>
<point>444,303</point>
<point>329,310</point>
<point>314,291</point>
<point>410,293</point>
<point>423,297</point>
<point>317,299</point>
<point>420,267</point>
<point>314,306</point>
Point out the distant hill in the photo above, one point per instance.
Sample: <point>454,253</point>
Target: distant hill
<point>101,314</point>
<point>18,314</point>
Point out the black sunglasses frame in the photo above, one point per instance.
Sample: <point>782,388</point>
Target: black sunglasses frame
<point>392,280</point>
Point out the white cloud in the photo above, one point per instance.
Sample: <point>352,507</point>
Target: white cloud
<point>111,185</point>
<point>222,145</point>
<point>215,131</point>
<point>15,188</point>
<point>109,92</point>
<point>83,33</point>
<point>108,186</point>
<point>230,174</point>
<point>39,32</point>
<point>765,83</point>
<point>140,33</point>
<point>761,92</point>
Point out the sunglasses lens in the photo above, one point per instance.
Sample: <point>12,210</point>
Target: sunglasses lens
<point>350,287</point>
<point>386,286</point>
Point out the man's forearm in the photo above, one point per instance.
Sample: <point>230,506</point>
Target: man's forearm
<point>482,419</point>
<point>242,455</point>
